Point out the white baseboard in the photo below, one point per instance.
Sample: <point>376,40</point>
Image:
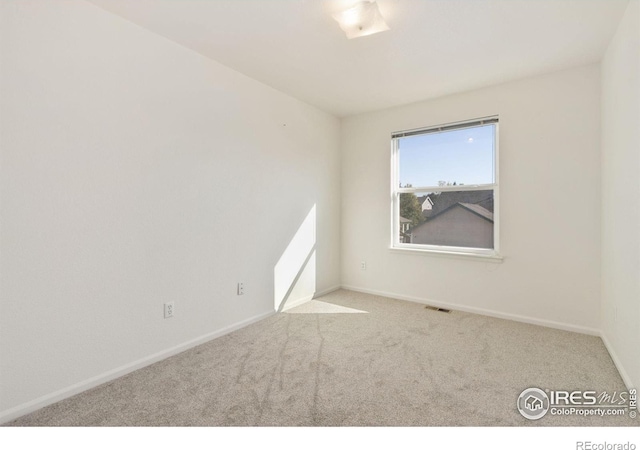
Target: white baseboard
<point>45,400</point>
<point>481,311</point>
<point>297,302</point>
<point>308,298</point>
<point>616,361</point>
<point>327,291</point>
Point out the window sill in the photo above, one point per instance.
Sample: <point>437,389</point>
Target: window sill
<point>429,252</point>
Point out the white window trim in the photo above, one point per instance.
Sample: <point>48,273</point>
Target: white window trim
<point>484,254</point>
<point>494,258</point>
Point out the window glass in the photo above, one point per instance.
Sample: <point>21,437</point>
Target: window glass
<point>463,156</point>
<point>445,188</point>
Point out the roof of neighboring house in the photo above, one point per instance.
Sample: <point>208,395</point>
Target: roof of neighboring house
<point>444,200</point>
<point>479,210</point>
<point>471,208</point>
<point>404,220</point>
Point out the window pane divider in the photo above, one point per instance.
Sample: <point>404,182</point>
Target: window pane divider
<point>461,187</point>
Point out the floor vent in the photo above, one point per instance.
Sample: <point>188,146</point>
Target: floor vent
<point>435,308</point>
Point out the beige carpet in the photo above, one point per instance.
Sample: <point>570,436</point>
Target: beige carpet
<point>351,359</point>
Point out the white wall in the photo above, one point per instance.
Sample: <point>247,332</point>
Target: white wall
<point>549,201</point>
<point>621,196</point>
<point>135,172</point>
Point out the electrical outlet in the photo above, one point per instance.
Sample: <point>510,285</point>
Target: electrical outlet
<point>240,288</point>
<point>363,265</point>
<point>168,310</point>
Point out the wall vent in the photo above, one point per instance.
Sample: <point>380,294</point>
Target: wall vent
<point>435,308</point>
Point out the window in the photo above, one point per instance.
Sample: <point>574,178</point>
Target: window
<point>445,188</point>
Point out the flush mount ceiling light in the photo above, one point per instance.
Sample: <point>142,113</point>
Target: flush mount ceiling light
<point>362,19</point>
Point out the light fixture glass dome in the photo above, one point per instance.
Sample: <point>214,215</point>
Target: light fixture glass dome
<point>362,19</point>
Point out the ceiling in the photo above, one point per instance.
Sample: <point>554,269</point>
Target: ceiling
<point>434,47</point>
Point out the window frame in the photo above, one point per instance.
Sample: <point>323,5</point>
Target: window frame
<point>396,190</point>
